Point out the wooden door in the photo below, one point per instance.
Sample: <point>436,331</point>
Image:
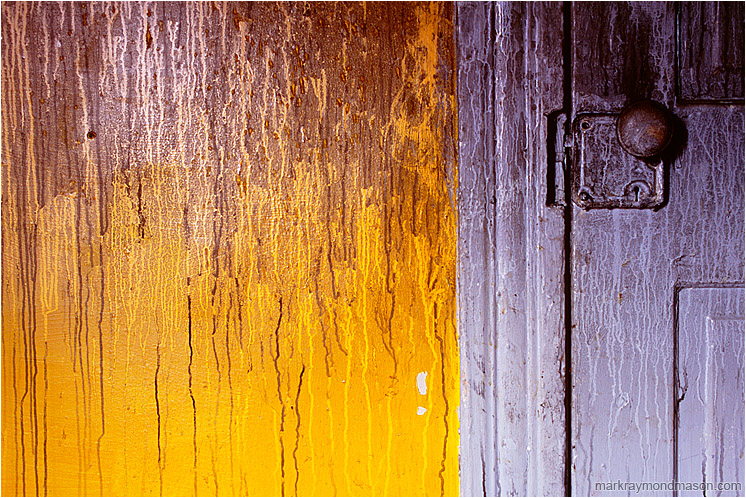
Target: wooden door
<point>599,345</point>
<point>229,238</point>
<point>657,295</point>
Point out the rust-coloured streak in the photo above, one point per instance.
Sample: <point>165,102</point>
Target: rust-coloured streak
<point>229,235</point>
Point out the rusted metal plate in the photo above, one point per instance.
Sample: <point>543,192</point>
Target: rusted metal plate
<point>229,249</point>
<point>710,389</point>
<point>604,175</point>
<point>711,51</point>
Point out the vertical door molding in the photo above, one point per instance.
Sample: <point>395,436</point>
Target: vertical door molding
<point>511,251</point>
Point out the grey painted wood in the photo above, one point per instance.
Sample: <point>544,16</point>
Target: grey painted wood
<point>626,265</point>
<point>476,258</point>
<point>710,383</point>
<point>511,306</point>
<point>711,51</point>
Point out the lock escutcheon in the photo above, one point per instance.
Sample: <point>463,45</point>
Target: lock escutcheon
<point>604,175</point>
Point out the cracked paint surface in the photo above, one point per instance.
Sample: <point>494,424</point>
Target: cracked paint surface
<point>229,245</point>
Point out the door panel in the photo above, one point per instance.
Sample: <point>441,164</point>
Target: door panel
<point>710,388</point>
<point>627,264</point>
<point>229,236</point>
<point>711,66</point>
<point>621,51</point>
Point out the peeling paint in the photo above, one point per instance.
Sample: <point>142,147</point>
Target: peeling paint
<point>421,383</point>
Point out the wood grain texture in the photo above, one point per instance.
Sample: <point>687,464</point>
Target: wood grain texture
<point>626,264</point>
<point>229,245</point>
<point>511,252</point>
<point>710,388</point>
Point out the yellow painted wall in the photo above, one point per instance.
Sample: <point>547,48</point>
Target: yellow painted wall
<point>229,236</point>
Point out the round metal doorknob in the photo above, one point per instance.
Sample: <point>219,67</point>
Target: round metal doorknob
<point>645,128</point>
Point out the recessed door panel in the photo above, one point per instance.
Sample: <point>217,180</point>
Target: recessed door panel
<point>711,51</point>
<point>710,389</point>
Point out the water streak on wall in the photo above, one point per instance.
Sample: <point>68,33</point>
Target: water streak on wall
<point>229,238</point>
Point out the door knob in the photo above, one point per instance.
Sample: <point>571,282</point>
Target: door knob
<point>645,128</point>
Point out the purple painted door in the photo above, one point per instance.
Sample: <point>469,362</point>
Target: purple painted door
<point>657,301</point>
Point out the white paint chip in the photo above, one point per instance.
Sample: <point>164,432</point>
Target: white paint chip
<point>421,384</point>
<point>421,410</point>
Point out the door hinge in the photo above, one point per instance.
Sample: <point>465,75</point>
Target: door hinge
<point>557,149</point>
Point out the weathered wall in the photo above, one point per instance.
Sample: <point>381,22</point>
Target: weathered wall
<point>229,236</point>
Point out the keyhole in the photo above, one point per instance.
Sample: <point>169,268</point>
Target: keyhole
<point>636,190</point>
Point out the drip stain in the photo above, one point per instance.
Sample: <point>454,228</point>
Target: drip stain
<point>233,291</point>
